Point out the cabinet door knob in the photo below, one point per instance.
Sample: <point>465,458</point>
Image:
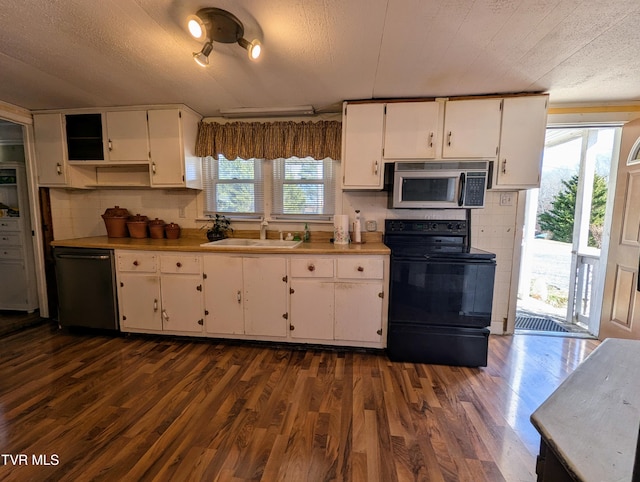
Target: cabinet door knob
<point>239,296</point>
<point>155,305</point>
<point>360,268</point>
<point>375,168</point>
<point>311,267</point>
<point>179,264</point>
<point>199,288</point>
<point>153,167</point>
<point>135,263</point>
<point>379,332</point>
<point>110,145</point>
<point>200,321</point>
<point>58,168</point>
<point>291,327</point>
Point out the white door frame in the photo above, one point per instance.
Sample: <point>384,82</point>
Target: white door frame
<point>24,118</point>
<point>581,229</point>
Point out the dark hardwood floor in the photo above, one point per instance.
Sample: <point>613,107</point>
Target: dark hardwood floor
<point>16,320</point>
<point>98,407</point>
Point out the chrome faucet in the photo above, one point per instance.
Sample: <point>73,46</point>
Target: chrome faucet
<point>263,228</point>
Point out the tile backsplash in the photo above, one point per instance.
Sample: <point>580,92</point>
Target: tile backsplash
<point>77,213</point>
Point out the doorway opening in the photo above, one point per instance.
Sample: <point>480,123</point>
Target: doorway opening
<point>564,240</point>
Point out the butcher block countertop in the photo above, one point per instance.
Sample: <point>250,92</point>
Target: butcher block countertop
<point>191,240</point>
<point>591,421</point>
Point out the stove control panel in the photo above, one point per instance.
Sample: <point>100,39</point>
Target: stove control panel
<point>433,226</point>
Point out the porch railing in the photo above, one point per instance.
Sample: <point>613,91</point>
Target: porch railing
<point>586,271</point>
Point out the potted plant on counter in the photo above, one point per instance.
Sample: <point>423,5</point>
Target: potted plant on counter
<point>218,227</point>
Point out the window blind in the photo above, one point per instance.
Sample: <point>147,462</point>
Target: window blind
<point>304,188</point>
<point>233,187</point>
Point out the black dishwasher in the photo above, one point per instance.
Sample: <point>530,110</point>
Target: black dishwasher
<point>86,288</point>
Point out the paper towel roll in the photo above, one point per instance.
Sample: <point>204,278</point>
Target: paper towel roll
<point>341,229</point>
<point>357,228</point>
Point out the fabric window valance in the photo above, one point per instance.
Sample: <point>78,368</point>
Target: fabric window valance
<point>270,140</point>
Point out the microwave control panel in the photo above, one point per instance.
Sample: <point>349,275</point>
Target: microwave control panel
<point>474,189</point>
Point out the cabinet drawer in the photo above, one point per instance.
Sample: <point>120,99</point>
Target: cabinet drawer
<point>10,253</point>
<point>140,262</point>
<point>10,239</point>
<point>180,264</point>
<point>8,224</point>
<point>360,268</point>
<point>312,268</point>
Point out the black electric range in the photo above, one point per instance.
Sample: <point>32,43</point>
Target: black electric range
<point>441,293</point>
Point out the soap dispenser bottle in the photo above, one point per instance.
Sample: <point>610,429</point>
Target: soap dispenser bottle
<point>307,233</point>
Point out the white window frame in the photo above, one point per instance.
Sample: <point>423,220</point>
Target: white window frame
<point>211,182</point>
<point>330,168</point>
<point>267,185</point>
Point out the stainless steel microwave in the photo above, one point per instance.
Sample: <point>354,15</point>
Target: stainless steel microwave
<point>439,184</point>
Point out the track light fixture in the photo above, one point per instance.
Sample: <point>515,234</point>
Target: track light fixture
<point>202,57</point>
<point>216,25</point>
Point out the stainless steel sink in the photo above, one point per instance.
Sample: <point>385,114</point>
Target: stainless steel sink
<point>252,243</point>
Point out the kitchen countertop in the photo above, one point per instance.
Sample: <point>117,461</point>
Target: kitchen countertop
<point>590,423</point>
<point>192,243</point>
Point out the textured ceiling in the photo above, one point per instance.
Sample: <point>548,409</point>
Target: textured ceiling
<point>90,53</point>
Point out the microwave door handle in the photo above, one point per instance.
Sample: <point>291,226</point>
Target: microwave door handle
<point>461,183</point>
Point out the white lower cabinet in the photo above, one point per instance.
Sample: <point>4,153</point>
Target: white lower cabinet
<point>139,301</point>
<point>224,312</point>
<point>246,295</point>
<point>324,299</point>
<point>158,292</point>
<point>181,292</point>
<point>358,311</point>
<point>312,307</point>
<point>338,298</point>
<point>265,296</point>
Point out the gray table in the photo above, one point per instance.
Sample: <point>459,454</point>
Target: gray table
<point>589,425</point>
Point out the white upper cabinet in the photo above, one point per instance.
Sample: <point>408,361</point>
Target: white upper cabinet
<point>472,128</point>
<point>127,136</point>
<point>363,132</point>
<point>172,137</point>
<point>524,121</point>
<point>51,159</point>
<point>411,130</point>
<point>154,147</point>
<point>52,163</point>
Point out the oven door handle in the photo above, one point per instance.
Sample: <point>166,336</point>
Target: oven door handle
<point>440,259</point>
<point>461,184</point>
